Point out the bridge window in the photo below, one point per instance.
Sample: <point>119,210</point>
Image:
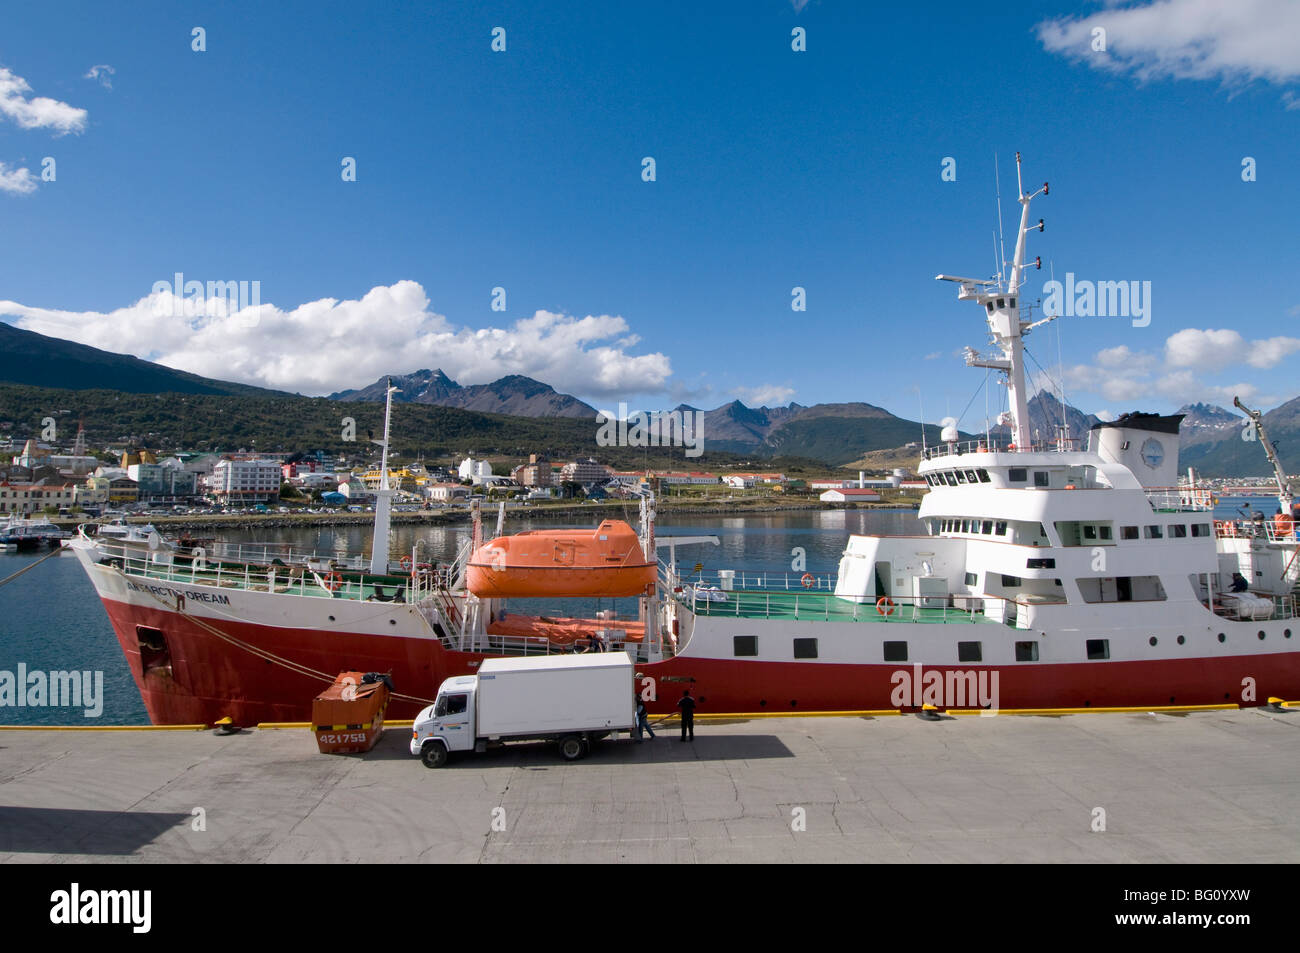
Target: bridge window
<point>1040,564</point>
<point>983,475</point>
<point>1200,529</point>
<point>1128,532</point>
<point>1155,532</point>
<point>986,527</point>
<point>972,579</point>
<point>1017,475</point>
<point>1000,528</point>
<point>1104,532</point>
<point>1042,478</point>
<point>1178,530</point>
<point>1010,581</point>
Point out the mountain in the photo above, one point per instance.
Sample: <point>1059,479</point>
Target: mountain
<point>515,395</point>
<point>1045,415</point>
<point>30,358</point>
<point>1232,456</point>
<point>1208,423</point>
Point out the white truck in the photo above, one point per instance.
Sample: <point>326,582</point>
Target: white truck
<point>575,699</point>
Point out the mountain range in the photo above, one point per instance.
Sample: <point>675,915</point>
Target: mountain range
<point>526,413</point>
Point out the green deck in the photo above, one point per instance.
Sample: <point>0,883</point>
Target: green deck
<point>813,607</point>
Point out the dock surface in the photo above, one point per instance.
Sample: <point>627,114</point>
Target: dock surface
<point>1217,786</point>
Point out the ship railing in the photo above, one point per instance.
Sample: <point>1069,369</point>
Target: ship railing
<point>1179,499</point>
<point>744,579</point>
<point>981,445</point>
<point>1268,529</point>
<point>1283,607</point>
<point>814,606</point>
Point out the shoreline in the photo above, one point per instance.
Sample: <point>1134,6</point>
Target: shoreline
<point>626,509</point>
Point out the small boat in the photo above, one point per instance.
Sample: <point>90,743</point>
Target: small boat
<point>603,562</point>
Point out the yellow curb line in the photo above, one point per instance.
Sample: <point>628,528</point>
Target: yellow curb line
<point>103,727</point>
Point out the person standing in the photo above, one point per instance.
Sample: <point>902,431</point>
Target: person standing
<point>687,705</point>
<point>642,719</point>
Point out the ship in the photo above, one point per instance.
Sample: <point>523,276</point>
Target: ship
<point>1048,575</point>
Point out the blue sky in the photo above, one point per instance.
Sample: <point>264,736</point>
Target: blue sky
<point>522,170</point>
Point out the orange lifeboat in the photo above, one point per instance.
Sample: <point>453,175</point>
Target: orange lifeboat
<point>605,561</point>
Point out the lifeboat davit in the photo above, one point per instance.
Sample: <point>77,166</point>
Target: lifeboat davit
<point>605,561</point>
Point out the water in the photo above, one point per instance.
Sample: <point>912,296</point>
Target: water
<point>51,619</point>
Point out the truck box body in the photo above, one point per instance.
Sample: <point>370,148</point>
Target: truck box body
<point>555,693</point>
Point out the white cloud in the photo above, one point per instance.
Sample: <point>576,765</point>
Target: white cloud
<point>1234,42</point>
<point>328,345</point>
<point>764,395</point>
<point>1105,415</point>
<point>934,355</point>
<point>103,74</point>
<point>1211,348</point>
<point>40,112</point>
<point>16,181</point>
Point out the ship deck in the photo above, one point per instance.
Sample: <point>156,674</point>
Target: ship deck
<point>826,607</point>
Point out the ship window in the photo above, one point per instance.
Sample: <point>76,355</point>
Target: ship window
<point>983,475</point>
<point>986,527</point>
<point>1017,475</point>
<point>1002,302</point>
<point>989,305</point>
<point>1128,532</point>
<point>972,579</point>
<point>1200,529</point>
<point>1010,581</point>
<point>1089,532</point>
<point>805,648</point>
<point>1040,564</point>
<point>745,645</point>
<point>969,652</point>
<point>1000,528</point>
<point>971,477</point>
<point>1013,302</point>
<point>1104,532</point>
<point>1098,649</point>
<point>1178,530</point>
<point>895,651</point>
<point>961,476</point>
<point>1155,532</point>
<point>1041,478</point>
<point>1026,651</point>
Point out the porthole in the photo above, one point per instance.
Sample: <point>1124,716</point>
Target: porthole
<point>794,703</point>
<point>1152,640</point>
<point>392,622</point>
<point>331,618</point>
<point>762,703</point>
<point>1222,637</point>
<point>1261,635</point>
<point>1181,640</point>
<point>1286,633</point>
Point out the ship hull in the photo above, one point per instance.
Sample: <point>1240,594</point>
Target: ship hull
<point>208,678</point>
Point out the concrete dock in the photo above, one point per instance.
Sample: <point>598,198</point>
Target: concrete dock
<point>1219,786</point>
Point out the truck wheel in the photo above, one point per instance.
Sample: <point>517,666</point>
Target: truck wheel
<point>433,754</point>
<point>571,747</point>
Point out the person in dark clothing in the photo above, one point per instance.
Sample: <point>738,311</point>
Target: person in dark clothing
<point>1239,583</point>
<point>642,720</point>
<point>687,705</point>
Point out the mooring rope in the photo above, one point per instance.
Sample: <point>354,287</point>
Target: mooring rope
<point>12,576</point>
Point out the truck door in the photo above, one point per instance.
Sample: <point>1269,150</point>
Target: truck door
<point>454,712</point>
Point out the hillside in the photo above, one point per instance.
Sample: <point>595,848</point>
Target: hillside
<point>30,358</point>
<point>515,395</point>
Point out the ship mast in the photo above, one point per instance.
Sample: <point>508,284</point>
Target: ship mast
<point>1284,494</point>
<point>1002,306</point>
<point>383,497</point>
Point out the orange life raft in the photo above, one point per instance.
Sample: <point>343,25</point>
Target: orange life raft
<point>605,561</point>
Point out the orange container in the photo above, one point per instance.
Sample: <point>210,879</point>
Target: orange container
<point>348,716</point>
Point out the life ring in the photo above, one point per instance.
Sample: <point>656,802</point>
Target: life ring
<point>808,580</point>
<point>406,563</point>
<point>334,582</point>
<point>885,606</point>
<point>1283,525</point>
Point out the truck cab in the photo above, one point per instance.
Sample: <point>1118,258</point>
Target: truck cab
<point>447,724</point>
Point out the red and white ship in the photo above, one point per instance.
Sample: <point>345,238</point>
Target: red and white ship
<point>1050,577</point>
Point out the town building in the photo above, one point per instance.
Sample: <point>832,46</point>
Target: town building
<point>242,481</point>
<point>535,473</point>
<point>25,498</point>
<point>584,471</point>
<point>850,495</point>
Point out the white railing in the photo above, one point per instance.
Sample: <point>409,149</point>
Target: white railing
<point>1179,499</point>
<point>741,579</point>
<point>814,606</point>
<point>999,445</point>
<point>1269,529</point>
